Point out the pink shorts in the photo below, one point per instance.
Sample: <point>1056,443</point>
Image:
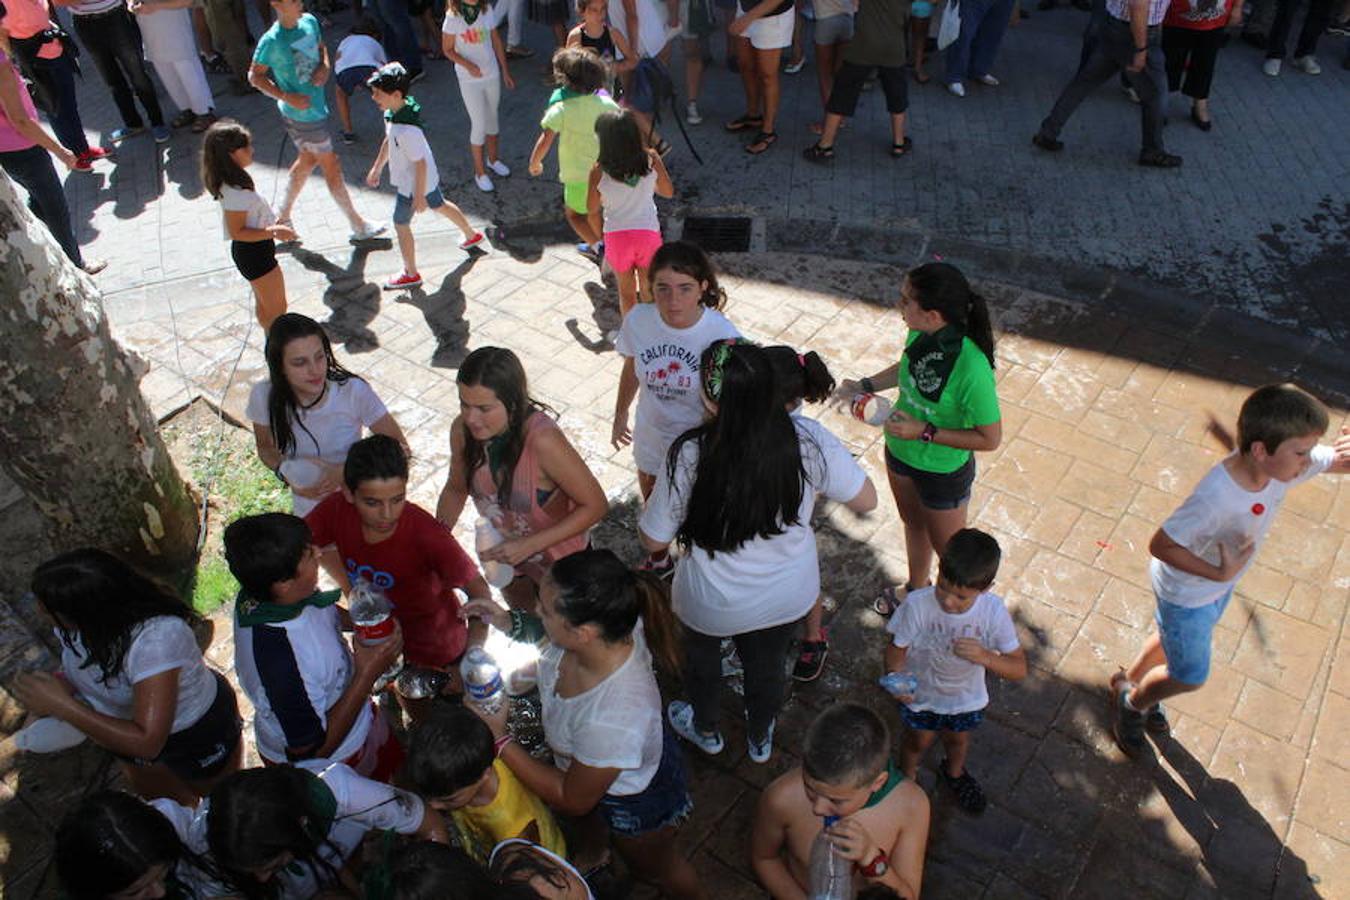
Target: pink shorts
<point>631,249</point>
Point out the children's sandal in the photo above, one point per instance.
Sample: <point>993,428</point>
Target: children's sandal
<point>763,141</point>
<point>817,153</point>
<point>898,150</point>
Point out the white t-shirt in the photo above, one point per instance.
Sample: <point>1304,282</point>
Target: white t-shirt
<point>667,362</point>
<point>189,823</point>
<point>766,581</point>
<point>614,725</point>
<point>629,207</point>
<point>653,18</point>
<point>408,144</point>
<point>233,199</point>
<point>362,806</point>
<point>357,50</point>
<point>326,431</point>
<point>949,684</point>
<point>158,645</point>
<point>474,42</point>
<point>1219,511</point>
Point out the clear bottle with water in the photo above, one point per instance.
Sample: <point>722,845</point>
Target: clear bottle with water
<point>485,537</point>
<point>831,874</point>
<point>899,684</point>
<point>373,616</point>
<point>482,680</point>
<point>48,735</point>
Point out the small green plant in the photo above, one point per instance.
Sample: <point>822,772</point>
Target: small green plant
<point>215,586</point>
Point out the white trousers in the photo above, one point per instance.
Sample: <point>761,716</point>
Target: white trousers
<point>480,100</point>
<point>185,80</point>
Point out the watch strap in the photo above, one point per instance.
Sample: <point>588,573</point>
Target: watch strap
<point>877,867</point>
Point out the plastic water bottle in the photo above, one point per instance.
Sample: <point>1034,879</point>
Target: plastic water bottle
<point>485,537</point>
<point>373,616</point>
<point>47,735</point>
<point>899,683</point>
<point>870,408</point>
<point>831,874</point>
<point>482,680</point>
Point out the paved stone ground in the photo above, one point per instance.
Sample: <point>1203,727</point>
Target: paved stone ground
<point>1104,423</point>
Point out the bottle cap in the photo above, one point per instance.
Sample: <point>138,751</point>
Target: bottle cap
<point>830,820</point>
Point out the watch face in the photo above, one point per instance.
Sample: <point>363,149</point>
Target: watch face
<point>880,867</point>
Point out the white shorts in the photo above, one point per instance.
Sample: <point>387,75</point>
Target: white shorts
<point>770,32</point>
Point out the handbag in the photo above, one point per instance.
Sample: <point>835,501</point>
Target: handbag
<point>950,29</point>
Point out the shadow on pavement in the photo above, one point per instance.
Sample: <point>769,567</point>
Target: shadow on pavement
<point>354,301</point>
<point>444,310</point>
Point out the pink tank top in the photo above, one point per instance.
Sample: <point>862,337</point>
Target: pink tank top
<point>524,514</point>
<point>11,140</point>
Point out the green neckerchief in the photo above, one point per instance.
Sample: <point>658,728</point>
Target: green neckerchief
<point>470,12</point>
<point>410,113</point>
<point>893,777</point>
<point>320,814</point>
<point>252,612</point>
<point>527,629</point>
<point>492,450</point>
<point>931,360</point>
<point>563,93</point>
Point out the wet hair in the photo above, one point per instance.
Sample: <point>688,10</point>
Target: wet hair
<point>689,259</point>
<point>391,78</point>
<point>970,559</point>
<point>109,841</point>
<point>103,600</point>
<point>594,586</point>
<point>281,402</point>
<point>940,287</point>
<point>1275,413</point>
<point>368,26</point>
<point>847,744</point>
<point>499,370</point>
<point>623,155</point>
<point>257,815</point>
<point>579,70</point>
<point>449,751</point>
<point>373,458</point>
<point>749,478</point>
<point>426,870</point>
<point>514,869</point>
<point>218,167</point>
<point>799,376</point>
<point>265,549</point>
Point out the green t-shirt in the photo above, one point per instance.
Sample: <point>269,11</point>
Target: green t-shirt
<point>292,55</point>
<point>573,117</point>
<point>968,399</point>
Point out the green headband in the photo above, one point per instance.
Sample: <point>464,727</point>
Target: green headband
<point>721,353</point>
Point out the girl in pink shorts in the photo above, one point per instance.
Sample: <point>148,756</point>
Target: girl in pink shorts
<point>623,184</point>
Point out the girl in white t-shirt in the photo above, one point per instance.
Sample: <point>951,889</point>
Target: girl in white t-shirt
<point>737,494</point>
<point>250,224</point>
<point>602,711</point>
<point>624,183</point>
<point>470,40</point>
<point>132,676</point>
<point>310,411</point>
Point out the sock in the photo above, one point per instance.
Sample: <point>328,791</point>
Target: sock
<point>1130,706</point>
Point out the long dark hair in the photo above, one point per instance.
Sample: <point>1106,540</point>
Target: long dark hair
<point>595,586</point>
<point>218,167</point>
<point>750,478</point>
<point>103,600</point>
<point>799,376</point>
<point>499,370</point>
<point>623,155</point>
<point>519,865</point>
<point>940,287</point>
<point>689,259</point>
<point>429,871</point>
<point>281,405</point>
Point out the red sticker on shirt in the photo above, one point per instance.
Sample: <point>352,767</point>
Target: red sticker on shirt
<point>1258,508</point>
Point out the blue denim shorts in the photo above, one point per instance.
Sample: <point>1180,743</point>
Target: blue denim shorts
<point>1187,635</point>
<point>927,720</point>
<point>403,211</point>
<point>663,802</point>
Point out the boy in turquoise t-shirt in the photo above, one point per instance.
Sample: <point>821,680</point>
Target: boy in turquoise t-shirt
<point>572,111</point>
<point>290,65</point>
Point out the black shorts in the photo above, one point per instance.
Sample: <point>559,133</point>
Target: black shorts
<point>848,85</point>
<point>254,259</point>
<point>203,749</point>
<point>938,490</point>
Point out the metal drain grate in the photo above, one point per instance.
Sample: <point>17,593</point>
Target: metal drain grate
<point>718,234</point>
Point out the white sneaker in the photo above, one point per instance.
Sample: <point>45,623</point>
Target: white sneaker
<point>988,80</point>
<point>484,183</point>
<point>691,113</point>
<point>500,168</point>
<point>956,88</point>
<point>367,231</point>
<point>1271,67</point>
<point>1307,65</point>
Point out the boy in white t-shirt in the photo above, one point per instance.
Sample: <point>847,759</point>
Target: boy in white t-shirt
<point>358,56</point>
<point>1204,547</point>
<point>412,169</point>
<point>949,635</point>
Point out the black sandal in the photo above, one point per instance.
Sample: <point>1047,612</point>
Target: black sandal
<point>764,140</point>
<point>969,794</point>
<point>742,123</point>
<point>817,153</point>
<point>899,150</point>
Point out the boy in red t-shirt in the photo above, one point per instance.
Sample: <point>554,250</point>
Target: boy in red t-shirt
<point>370,531</point>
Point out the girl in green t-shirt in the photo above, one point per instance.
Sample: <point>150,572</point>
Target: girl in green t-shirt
<point>947,408</point>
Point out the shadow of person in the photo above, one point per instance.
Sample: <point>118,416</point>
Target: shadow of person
<point>444,310</point>
<point>354,301</point>
<point>182,166</point>
<point>605,315</point>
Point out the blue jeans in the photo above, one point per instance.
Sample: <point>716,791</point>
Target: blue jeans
<point>400,42</point>
<point>65,118</point>
<point>983,24</point>
<point>33,169</point>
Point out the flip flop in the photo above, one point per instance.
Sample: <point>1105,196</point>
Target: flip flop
<point>744,123</point>
<point>764,140</point>
<point>898,150</point>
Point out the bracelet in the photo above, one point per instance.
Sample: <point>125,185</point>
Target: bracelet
<point>867,385</point>
<point>500,744</point>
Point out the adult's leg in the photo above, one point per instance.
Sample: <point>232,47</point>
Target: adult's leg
<point>656,858</point>
<point>32,168</point>
<point>1314,24</point>
<point>766,64</point>
<point>193,79</point>
<point>1149,84</point>
<point>1176,47</point>
<point>1277,40</point>
<point>304,164</point>
<point>269,297</point>
<point>1100,66</point>
<point>827,56</point>
<point>762,653</point>
<point>515,22</point>
<point>703,678</point>
<point>693,68</point>
<point>745,59</point>
<point>173,84</point>
<point>1204,55</point>
<point>956,59</point>
<point>229,35</point>
<point>989,37</point>
<point>337,187</point>
<point>896,89</point>
<point>918,546</point>
<point>65,120</point>
<point>399,38</point>
<point>918,41</point>
<point>130,50</point>
<point>99,36</point>
<point>941,524</point>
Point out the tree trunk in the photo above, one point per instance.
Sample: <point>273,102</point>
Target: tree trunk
<point>75,433</point>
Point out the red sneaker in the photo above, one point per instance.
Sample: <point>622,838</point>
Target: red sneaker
<point>95,152</point>
<point>478,238</point>
<point>403,281</point>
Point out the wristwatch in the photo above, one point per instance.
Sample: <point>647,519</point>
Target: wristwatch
<point>877,867</point>
<point>866,385</point>
<point>929,432</point>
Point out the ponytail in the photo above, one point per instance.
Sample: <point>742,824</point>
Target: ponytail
<point>941,288</point>
<point>595,587</point>
<point>799,376</point>
<point>658,621</point>
<point>978,327</point>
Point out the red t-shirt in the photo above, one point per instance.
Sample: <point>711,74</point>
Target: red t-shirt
<point>417,566</point>
<point>1199,15</point>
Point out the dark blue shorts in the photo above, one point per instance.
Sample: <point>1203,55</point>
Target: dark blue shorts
<point>937,490</point>
<point>403,210</point>
<point>928,720</point>
<point>663,802</point>
<point>349,80</point>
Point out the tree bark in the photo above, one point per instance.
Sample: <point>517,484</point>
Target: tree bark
<point>75,433</point>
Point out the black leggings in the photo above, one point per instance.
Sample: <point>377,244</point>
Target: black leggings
<point>762,654</point>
